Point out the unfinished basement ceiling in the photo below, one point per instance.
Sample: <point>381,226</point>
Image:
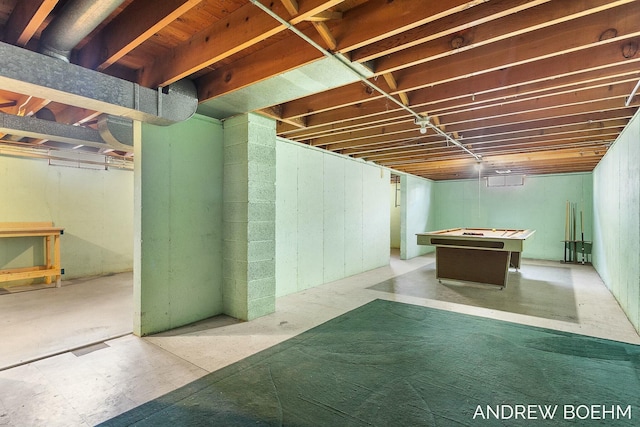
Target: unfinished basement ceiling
<point>533,87</point>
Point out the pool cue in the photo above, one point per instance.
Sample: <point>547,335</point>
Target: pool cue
<point>566,224</point>
<point>566,231</point>
<point>574,235</point>
<point>582,235</point>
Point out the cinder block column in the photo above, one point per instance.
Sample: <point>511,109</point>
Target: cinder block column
<point>249,214</point>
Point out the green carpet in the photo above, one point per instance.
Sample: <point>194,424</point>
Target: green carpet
<point>394,364</point>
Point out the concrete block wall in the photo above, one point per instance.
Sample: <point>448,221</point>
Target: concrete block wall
<point>249,216</point>
<point>332,217</point>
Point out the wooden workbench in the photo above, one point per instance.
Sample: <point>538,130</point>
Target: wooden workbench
<point>51,270</point>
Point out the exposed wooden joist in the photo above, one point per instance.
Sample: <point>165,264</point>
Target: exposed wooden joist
<point>391,81</point>
<point>242,29</point>
<point>513,113</point>
<point>574,36</point>
<point>276,113</point>
<point>447,26</point>
<point>407,133</point>
<point>598,63</point>
<point>327,15</point>
<point>25,20</point>
<point>291,6</point>
<point>534,22</point>
<point>353,31</point>
<point>326,35</point>
<point>139,22</point>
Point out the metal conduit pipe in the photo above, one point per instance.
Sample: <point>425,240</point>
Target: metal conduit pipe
<point>633,93</point>
<point>418,118</point>
<point>74,22</point>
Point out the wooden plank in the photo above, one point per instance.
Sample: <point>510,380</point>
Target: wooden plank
<point>291,6</point>
<point>128,30</point>
<point>8,275</point>
<point>357,28</point>
<point>546,43</point>
<point>26,18</point>
<point>380,19</point>
<point>340,106</point>
<point>243,28</point>
<point>532,22</point>
<point>589,64</point>
<point>326,35</point>
<point>447,26</point>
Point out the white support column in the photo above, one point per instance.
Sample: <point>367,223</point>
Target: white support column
<point>249,216</point>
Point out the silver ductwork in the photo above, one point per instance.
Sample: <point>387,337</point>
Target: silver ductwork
<point>121,101</point>
<point>76,20</point>
<point>70,84</point>
<point>117,132</point>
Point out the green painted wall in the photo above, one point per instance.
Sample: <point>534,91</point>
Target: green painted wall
<point>178,224</point>
<point>95,207</point>
<point>417,214</point>
<point>332,217</point>
<point>395,208</point>
<point>539,204</point>
<point>616,214</point>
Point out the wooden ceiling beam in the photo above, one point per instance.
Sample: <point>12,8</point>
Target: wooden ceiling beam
<point>554,124</point>
<point>526,26</point>
<point>358,27</point>
<point>573,36</point>
<point>532,104</point>
<point>291,6</point>
<point>515,112</point>
<point>393,85</point>
<point>506,159</point>
<point>581,128</point>
<point>276,113</point>
<point>528,92</point>
<point>240,30</point>
<point>598,63</point>
<point>610,111</point>
<point>374,112</point>
<point>409,133</point>
<point>128,30</point>
<point>326,35</point>
<point>500,146</point>
<point>446,26</point>
<point>327,15</point>
<point>376,20</point>
<point>25,19</point>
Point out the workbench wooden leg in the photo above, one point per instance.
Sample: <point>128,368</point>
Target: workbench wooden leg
<point>56,259</point>
<point>47,261</point>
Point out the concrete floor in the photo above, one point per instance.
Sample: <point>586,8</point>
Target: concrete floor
<point>92,384</point>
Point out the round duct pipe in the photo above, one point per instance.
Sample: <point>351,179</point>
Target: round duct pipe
<point>76,20</point>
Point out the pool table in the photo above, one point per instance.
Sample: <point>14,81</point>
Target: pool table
<point>479,255</point>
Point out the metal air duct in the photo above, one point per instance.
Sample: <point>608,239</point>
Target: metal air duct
<point>76,20</point>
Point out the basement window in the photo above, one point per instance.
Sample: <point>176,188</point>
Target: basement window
<point>505,180</point>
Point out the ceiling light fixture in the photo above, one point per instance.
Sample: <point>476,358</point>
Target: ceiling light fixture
<point>423,122</point>
<point>364,78</point>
